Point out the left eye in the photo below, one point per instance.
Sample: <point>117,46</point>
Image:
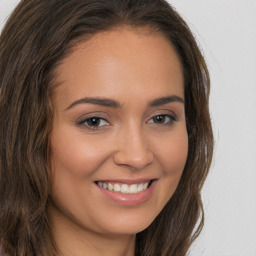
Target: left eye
<point>162,119</point>
<point>94,122</point>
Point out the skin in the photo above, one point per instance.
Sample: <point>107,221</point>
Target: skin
<point>133,67</point>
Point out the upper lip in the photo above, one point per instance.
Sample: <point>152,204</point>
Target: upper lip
<point>127,181</point>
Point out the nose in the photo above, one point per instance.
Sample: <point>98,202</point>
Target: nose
<point>133,149</point>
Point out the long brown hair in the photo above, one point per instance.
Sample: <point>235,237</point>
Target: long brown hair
<point>35,39</point>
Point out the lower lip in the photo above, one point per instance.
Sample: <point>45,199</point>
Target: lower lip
<point>129,199</point>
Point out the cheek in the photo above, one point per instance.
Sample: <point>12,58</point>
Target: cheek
<point>173,153</point>
<point>172,156</point>
<point>76,155</point>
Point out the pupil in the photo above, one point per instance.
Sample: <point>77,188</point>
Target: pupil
<point>94,121</point>
<point>159,119</point>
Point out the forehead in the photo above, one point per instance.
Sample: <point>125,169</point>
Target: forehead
<point>121,60</point>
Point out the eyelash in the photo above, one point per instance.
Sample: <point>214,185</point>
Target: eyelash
<point>162,118</point>
<point>93,119</point>
<point>98,120</point>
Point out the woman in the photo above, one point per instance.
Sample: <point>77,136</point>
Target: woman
<point>106,137</point>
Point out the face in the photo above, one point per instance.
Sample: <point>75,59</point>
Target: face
<point>119,140</point>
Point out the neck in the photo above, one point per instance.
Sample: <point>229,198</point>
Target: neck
<point>95,245</point>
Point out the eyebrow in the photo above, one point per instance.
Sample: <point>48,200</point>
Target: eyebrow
<point>166,100</point>
<point>115,104</point>
<point>96,101</point>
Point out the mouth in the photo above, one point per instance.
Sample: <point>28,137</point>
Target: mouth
<point>125,188</point>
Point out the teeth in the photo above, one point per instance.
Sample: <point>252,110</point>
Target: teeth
<point>124,188</point>
<point>110,187</point>
<point>133,188</point>
<point>117,188</point>
<point>145,185</point>
<point>140,187</point>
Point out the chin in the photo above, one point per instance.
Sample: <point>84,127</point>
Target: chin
<point>129,223</point>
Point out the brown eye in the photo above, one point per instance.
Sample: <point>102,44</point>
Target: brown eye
<point>159,119</point>
<point>162,119</point>
<point>94,122</point>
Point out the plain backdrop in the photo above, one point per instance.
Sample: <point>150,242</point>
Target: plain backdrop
<point>226,33</point>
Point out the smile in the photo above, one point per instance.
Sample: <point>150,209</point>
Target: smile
<point>127,192</point>
<point>124,188</point>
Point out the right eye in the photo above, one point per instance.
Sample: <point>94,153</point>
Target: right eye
<point>94,122</point>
